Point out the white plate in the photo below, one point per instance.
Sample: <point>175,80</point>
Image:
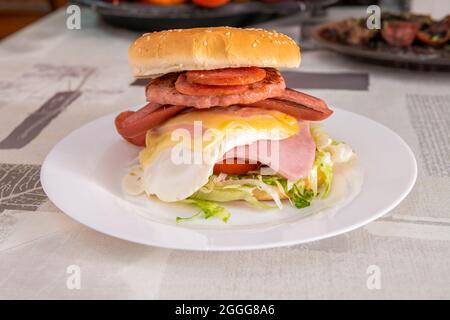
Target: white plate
<point>82,176</point>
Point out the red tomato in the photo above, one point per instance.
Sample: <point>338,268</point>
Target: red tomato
<point>400,33</point>
<point>235,168</point>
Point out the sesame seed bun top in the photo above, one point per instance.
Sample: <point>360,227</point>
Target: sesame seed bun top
<point>158,53</point>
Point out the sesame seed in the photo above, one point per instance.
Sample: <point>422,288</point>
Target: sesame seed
<point>254,44</point>
<point>227,33</point>
<point>205,43</point>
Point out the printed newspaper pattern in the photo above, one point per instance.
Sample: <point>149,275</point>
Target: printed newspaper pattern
<point>430,117</point>
<point>20,187</point>
<point>54,80</point>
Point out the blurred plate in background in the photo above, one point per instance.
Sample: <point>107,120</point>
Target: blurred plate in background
<point>388,56</point>
<point>148,17</point>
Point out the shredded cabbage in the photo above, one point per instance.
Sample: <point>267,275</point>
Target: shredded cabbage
<point>300,193</point>
<point>208,209</point>
<point>339,151</point>
<point>260,185</point>
<point>235,189</point>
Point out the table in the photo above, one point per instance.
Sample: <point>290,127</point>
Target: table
<point>54,80</point>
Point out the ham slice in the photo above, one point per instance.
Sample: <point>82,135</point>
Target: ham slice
<point>292,158</point>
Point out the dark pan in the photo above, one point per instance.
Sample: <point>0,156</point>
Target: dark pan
<point>394,57</point>
<point>147,17</point>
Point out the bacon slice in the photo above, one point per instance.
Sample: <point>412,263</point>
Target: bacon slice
<point>297,104</point>
<point>226,76</point>
<point>162,91</point>
<point>133,126</point>
<point>185,87</point>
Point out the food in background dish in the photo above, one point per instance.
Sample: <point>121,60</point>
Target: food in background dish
<point>435,33</point>
<point>399,33</point>
<point>163,2</point>
<point>352,31</point>
<point>414,32</point>
<point>210,3</point>
<point>201,3</point>
<point>221,126</point>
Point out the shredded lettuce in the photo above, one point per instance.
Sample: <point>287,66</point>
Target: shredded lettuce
<point>339,151</point>
<point>300,193</point>
<point>257,183</point>
<point>208,209</point>
<point>230,190</point>
<point>300,196</point>
<point>324,173</point>
<point>317,184</point>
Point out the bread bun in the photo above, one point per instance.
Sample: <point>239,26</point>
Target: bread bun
<point>157,53</point>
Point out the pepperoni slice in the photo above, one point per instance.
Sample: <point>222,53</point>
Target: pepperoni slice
<point>185,87</point>
<point>133,126</point>
<point>226,76</point>
<point>162,90</point>
<point>297,104</point>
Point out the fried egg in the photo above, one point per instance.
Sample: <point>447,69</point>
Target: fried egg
<point>180,155</point>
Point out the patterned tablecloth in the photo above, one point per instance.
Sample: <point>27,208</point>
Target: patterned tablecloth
<point>54,80</point>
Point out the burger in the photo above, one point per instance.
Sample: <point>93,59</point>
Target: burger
<point>220,125</point>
